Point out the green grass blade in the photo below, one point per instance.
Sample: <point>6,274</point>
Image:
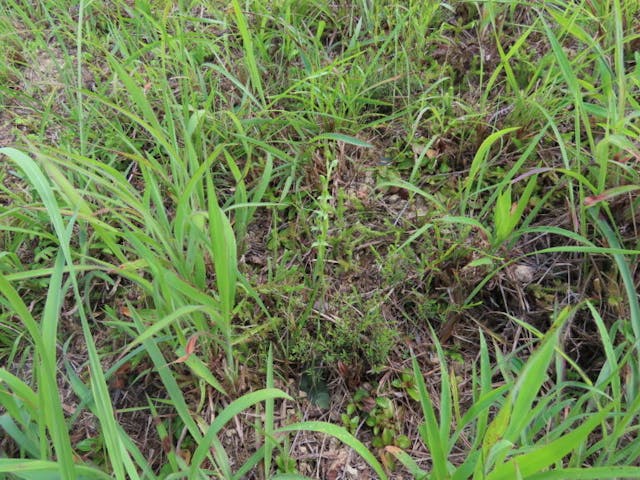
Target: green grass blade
<point>118,456</point>
<point>269,417</point>
<point>408,462</point>
<point>224,253</point>
<point>479,162</point>
<point>290,476</point>
<point>163,323</point>
<point>344,436</point>
<point>590,473</point>
<point>340,137</point>
<point>530,380</point>
<point>137,94</point>
<point>249,465</point>
<point>445,420</point>
<point>249,51</point>
<point>430,430</point>
<point>625,271</point>
<point>42,469</point>
<point>168,379</point>
<point>45,367</point>
<point>233,409</point>
<point>544,456</point>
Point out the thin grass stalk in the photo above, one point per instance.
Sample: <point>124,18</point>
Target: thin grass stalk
<point>619,65</point>
<point>249,51</point>
<point>269,408</point>
<point>79,85</point>
<point>479,164</point>
<point>633,386</point>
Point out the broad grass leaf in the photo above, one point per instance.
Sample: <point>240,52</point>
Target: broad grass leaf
<point>544,456</point>
<point>497,428</point>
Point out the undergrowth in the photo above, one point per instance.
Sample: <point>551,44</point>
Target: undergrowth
<point>412,226</point>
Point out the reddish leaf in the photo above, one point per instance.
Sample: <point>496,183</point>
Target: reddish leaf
<point>189,349</point>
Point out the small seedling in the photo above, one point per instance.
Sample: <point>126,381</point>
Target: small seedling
<point>384,419</point>
<point>407,384</point>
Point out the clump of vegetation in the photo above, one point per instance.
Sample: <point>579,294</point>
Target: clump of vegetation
<point>422,215</point>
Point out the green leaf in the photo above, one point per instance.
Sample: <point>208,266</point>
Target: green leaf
<point>530,380</point>
<point>429,430</point>
<point>249,52</point>
<point>201,370</point>
<point>589,473</point>
<point>233,409</point>
<point>480,161</point>
<point>544,456</point>
<point>340,137</point>
<point>344,436</point>
<point>408,462</point>
<point>496,428</point>
<point>47,470</point>
<point>316,389</point>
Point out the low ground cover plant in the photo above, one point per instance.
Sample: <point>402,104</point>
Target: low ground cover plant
<point>319,239</point>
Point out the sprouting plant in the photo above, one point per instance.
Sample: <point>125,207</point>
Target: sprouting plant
<point>381,416</point>
<point>406,382</point>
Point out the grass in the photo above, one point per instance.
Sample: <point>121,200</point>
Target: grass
<point>231,231</point>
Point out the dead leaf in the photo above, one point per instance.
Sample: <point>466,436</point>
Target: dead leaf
<point>189,349</point>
